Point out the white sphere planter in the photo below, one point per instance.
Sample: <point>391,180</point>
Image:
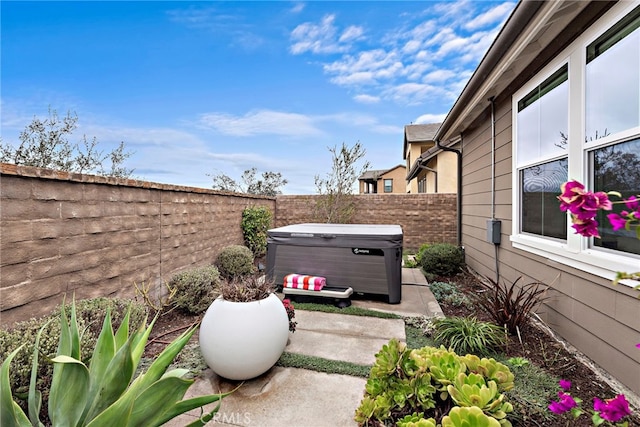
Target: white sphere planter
<point>242,340</point>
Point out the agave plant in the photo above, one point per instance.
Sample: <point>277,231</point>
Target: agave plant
<point>103,393</point>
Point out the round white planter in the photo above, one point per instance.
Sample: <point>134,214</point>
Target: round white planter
<point>241,340</point>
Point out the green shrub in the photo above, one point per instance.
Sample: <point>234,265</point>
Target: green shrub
<point>468,335</point>
<point>235,262</point>
<point>448,293</point>
<point>90,313</point>
<point>442,259</point>
<point>195,289</point>
<point>256,220</point>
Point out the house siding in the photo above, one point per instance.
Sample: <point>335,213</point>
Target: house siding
<point>599,319</point>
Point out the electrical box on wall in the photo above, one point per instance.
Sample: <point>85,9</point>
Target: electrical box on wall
<point>494,228</point>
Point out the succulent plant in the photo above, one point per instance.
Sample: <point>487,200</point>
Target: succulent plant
<point>473,390</point>
<point>416,420</point>
<point>491,369</point>
<point>468,417</point>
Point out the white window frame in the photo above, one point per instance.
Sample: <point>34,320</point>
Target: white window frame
<point>575,251</point>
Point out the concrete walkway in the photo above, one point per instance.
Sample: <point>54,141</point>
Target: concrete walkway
<point>299,397</point>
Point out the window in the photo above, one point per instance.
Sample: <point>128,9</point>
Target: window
<point>388,185</point>
<point>598,144</point>
<point>422,185</point>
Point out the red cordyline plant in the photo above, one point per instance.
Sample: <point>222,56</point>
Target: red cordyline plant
<point>609,411</point>
<point>584,205</point>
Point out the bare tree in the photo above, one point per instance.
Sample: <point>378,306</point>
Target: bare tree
<point>270,184</point>
<point>45,144</point>
<point>336,204</point>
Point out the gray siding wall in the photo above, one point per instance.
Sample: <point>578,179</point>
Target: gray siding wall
<point>599,319</point>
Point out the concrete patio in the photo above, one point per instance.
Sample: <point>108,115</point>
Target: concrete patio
<point>300,397</point>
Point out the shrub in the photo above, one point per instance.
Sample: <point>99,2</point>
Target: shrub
<point>235,262</point>
<point>466,335</point>
<point>256,220</point>
<point>429,382</point>
<point>247,289</point>
<point>90,314</point>
<point>511,305</point>
<point>100,391</point>
<point>195,289</point>
<point>448,293</point>
<point>442,259</point>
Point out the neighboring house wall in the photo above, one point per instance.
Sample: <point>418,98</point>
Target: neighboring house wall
<point>91,236</point>
<point>583,306</point>
<point>398,176</point>
<point>414,150</point>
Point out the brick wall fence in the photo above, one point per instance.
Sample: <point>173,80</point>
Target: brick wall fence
<point>424,217</point>
<point>63,233</point>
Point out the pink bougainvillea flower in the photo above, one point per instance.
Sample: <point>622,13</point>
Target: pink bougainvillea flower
<point>582,204</point>
<point>564,404</point>
<point>638,345</point>
<point>612,409</point>
<point>586,228</point>
<point>617,222</point>
<point>565,384</point>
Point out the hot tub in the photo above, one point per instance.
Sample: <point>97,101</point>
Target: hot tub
<point>365,257</point>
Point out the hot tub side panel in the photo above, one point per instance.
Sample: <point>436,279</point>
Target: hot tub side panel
<point>366,264</point>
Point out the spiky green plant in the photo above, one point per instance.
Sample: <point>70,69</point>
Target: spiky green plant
<point>468,335</point>
<point>103,393</point>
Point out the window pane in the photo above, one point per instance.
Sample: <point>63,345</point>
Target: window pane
<point>543,118</point>
<point>388,185</point>
<point>617,168</point>
<point>613,88</point>
<point>539,211</point>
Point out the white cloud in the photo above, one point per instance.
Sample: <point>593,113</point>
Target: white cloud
<point>366,99</point>
<point>351,33</point>
<point>430,118</point>
<point>319,38</point>
<point>261,122</point>
<point>438,76</point>
<point>495,15</point>
<point>297,8</point>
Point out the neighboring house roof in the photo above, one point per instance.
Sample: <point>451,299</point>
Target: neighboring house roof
<point>532,35</point>
<point>375,174</point>
<point>422,159</point>
<point>418,133</point>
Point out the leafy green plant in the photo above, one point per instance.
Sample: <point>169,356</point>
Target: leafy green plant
<point>510,305</point>
<point>422,381</point>
<point>256,220</point>
<point>195,289</point>
<point>468,335</point>
<point>441,259</point>
<point>101,392</point>
<point>448,293</point>
<point>518,362</point>
<point>234,262</point>
<point>22,335</point>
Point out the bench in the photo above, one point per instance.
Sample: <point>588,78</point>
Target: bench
<point>341,297</point>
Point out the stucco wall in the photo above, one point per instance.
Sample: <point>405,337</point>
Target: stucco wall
<point>599,319</point>
<point>399,177</point>
<point>92,236</point>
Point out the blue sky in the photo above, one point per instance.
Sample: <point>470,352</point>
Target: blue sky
<point>198,88</point>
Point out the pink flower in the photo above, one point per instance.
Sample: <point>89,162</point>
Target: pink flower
<point>586,228</point>
<point>612,409</point>
<point>638,345</point>
<point>565,384</point>
<point>582,204</point>
<point>564,404</point>
<point>616,221</point>
<point>632,203</point>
